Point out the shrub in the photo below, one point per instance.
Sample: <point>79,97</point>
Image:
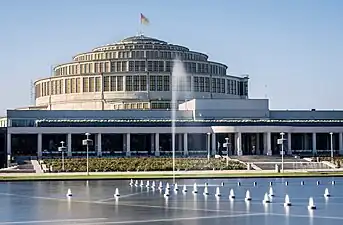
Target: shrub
<point>141,164</point>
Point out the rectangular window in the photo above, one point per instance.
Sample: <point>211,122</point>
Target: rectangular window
<point>85,84</point>
<point>131,65</point>
<point>119,83</point>
<point>167,66</point>
<point>150,66</point>
<point>106,83</point>
<point>123,66</point>
<point>159,83</point>
<point>201,84</point>
<point>166,83</point>
<point>118,66</point>
<point>196,84</point>
<point>97,84</point>
<point>207,84</point>
<point>113,83</point>
<point>128,81</point>
<point>78,85</point>
<point>152,83</point>
<point>222,85</point>
<point>73,85</point>
<point>161,66</point>
<point>135,83</point>
<point>214,85</point>
<point>91,84</point>
<point>155,66</point>
<point>142,83</point>
<point>218,85</point>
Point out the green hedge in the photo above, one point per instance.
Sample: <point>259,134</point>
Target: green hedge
<point>141,164</point>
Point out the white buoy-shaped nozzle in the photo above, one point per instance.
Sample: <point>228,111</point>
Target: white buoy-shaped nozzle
<point>318,182</point>
<point>131,182</point>
<point>247,196</point>
<point>147,184</point>
<point>222,184</point>
<point>271,192</point>
<point>333,182</point>
<point>266,199</point>
<point>218,192</point>
<point>69,193</point>
<point>255,184</point>
<point>160,186</point>
<point>326,193</point>
<point>286,183</point>
<point>302,183</point>
<point>311,204</point>
<point>270,183</point>
<point>184,189</point>
<point>206,191</point>
<point>232,194</point>
<point>142,183</point>
<point>176,188</point>
<point>166,193</point>
<point>287,201</point>
<point>238,183</point>
<point>116,193</point>
<point>195,188</point>
<point>168,186</point>
<point>136,183</point>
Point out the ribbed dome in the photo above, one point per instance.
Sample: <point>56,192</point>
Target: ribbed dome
<point>141,39</point>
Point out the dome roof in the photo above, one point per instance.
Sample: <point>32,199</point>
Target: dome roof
<point>141,39</point>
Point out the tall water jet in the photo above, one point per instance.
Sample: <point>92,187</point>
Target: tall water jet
<point>176,187</point>
<point>311,204</point>
<point>247,196</point>
<point>232,194</point>
<point>160,186</point>
<point>184,190</point>
<point>178,80</point>
<point>69,193</point>
<point>195,188</point>
<point>266,199</point>
<point>287,201</point>
<point>218,192</point>
<point>116,194</point>
<point>271,192</point>
<point>153,185</point>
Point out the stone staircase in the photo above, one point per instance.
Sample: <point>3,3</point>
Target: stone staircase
<point>23,164</point>
<point>290,163</point>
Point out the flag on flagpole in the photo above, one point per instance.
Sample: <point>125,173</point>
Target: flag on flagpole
<point>144,20</point>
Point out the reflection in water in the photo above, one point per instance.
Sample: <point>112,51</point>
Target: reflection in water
<point>247,204</point>
<point>231,204</point>
<point>310,217</point>
<point>217,202</point>
<point>287,211</point>
<point>69,203</point>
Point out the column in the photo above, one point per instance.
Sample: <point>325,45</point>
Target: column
<point>185,144</point>
<point>289,143</point>
<point>69,143</point>
<point>152,141</point>
<point>157,144</point>
<point>128,144</point>
<point>214,144</point>
<point>39,145</point>
<point>267,150</point>
<point>238,137</point>
<point>306,142</point>
<point>208,144</point>
<point>314,143</point>
<point>9,149</point>
<point>99,145</point>
<point>179,147</point>
<point>258,147</point>
<point>340,137</point>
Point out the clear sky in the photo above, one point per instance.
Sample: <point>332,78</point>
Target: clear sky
<point>292,50</point>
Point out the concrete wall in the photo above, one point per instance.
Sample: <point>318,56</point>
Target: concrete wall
<point>302,114</point>
<point>96,114</point>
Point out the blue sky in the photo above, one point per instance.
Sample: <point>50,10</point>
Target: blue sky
<point>292,50</point>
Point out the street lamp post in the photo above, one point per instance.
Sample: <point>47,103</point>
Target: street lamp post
<point>227,151</point>
<point>208,146</point>
<point>87,142</point>
<point>62,149</point>
<point>331,143</point>
<point>282,149</point>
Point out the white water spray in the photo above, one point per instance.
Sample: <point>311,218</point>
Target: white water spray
<point>178,84</point>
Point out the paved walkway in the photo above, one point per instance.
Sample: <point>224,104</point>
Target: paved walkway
<point>199,172</point>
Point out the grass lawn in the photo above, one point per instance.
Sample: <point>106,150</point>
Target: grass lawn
<point>34,177</point>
